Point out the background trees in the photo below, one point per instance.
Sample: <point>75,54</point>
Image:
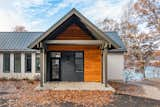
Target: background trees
<point>139,28</point>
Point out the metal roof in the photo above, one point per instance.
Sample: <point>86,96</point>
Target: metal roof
<point>17,41</point>
<point>116,38</point>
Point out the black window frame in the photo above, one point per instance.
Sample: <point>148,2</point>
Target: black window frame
<point>55,58</point>
<point>4,63</point>
<point>15,71</point>
<point>79,58</point>
<point>26,63</point>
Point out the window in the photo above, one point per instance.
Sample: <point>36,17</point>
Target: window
<point>28,63</point>
<point>17,63</point>
<point>37,63</point>
<point>6,63</point>
<point>55,54</point>
<point>79,61</point>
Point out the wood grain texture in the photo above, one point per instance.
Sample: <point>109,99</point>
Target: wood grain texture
<point>92,65</point>
<point>73,32</point>
<point>92,60</point>
<point>92,53</point>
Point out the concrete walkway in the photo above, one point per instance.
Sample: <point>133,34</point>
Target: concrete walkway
<point>75,86</point>
<point>150,87</point>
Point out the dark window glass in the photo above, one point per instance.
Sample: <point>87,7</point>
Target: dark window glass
<point>17,63</point>
<point>79,54</point>
<point>37,63</point>
<point>6,63</point>
<point>28,64</point>
<point>79,61</point>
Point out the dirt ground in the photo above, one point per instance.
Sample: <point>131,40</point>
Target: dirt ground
<point>23,94</point>
<point>129,89</point>
<point>145,88</point>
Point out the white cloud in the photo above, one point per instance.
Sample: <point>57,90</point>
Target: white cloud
<point>66,3</point>
<point>12,13</point>
<point>97,10</point>
<point>9,19</point>
<point>103,8</point>
<point>18,12</point>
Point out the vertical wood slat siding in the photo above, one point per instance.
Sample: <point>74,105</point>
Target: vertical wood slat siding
<point>92,60</point>
<point>73,32</point>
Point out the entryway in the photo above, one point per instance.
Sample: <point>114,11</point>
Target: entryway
<point>66,66</point>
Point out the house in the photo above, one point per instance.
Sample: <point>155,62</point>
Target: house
<point>73,49</point>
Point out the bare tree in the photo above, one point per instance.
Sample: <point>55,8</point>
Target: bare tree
<point>149,14</point>
<point>109,25</point>
<point>20,29</point>
<point>140,43</point>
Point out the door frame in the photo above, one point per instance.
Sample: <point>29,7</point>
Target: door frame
<point>51,58</point>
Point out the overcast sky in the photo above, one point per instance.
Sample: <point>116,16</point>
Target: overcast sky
<point>39,15</point>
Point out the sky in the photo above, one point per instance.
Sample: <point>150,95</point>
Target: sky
<point>39,15</point>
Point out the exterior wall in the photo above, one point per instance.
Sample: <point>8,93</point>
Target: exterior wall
<point>92,60</point>
<point>22,74</point>
<point>73,32</point>
<point>115,64</point>
<point>92,54</point>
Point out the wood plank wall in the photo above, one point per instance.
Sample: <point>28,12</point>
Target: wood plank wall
<point>92,54</point>
<point>92,60</point>
<point>73,32</point>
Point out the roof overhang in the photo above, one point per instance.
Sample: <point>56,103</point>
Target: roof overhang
<point>97,32</point>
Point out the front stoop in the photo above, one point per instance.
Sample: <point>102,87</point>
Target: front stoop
<point>75,86</point>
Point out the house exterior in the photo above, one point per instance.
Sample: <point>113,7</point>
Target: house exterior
<point>73,49</point>
<point>16,60</point>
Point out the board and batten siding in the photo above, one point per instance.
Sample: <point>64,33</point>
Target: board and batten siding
<point>92,60</point>
<point>22,74</point>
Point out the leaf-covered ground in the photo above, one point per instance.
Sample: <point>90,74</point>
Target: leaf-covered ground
<point>23,94</point>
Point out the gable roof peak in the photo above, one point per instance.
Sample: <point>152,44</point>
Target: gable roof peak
<point>73,11</point>
<point>96,31</point>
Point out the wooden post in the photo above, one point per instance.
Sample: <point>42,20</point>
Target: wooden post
<point>105,66</point>
<point>42,67</point>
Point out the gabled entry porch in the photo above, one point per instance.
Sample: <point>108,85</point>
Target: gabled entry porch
<point>80,62</point>
<point>73,50</point>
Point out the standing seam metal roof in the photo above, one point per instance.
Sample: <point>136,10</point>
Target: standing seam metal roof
<point>19,41</point>
<point>115,37</point>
